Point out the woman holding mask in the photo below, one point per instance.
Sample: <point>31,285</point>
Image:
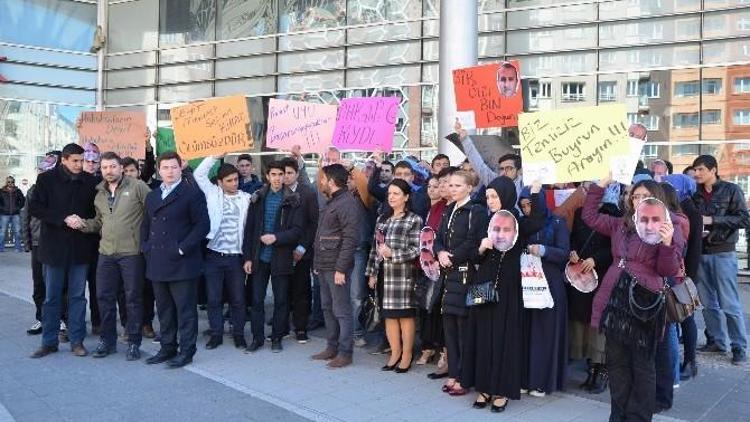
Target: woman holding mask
<point>631,360</point>
<point>391,264</point>
<point>456,246</point>
<point>493,352</point>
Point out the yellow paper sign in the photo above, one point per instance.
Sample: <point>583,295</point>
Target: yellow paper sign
<point>212,127</point>
<point>573,145</point>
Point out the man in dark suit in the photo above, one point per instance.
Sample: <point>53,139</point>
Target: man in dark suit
<point>63,197</point>
<point>172,233</point>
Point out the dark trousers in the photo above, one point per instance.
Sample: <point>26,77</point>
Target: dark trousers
<point>148,302</point>
<point>453,330</point>
<point>225,274</point>
<point>93,303</point>
<point>316,310</point>
<point>280,287</point>
<point>117,274</point>
<point>689,337</point>
<point>37,276</point>
<point>336,302</point>
<point>177,306</point>
<point>632,382</point>
<point>299,294</point>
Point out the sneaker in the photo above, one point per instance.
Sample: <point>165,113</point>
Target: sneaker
<point>360,342</point>
<point>537,393</point>
<point>302,337</point>
<point>63,335</point>
<point>711,348</point>
<point>270,339</point>
<point>134,352</point>
<point>276,346</point>
<point>738,356</point>
<point>103,350</point>
<point>35,329</point>
<point>157,339</point>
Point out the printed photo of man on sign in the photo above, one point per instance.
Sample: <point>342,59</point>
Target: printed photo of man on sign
<point>508,80</point>
<point>492,92</point>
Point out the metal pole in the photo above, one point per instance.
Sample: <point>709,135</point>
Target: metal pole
<point>101,21</point>
<point>458,48</point>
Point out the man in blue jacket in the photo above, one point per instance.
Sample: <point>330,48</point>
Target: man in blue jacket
<point>172,233</point>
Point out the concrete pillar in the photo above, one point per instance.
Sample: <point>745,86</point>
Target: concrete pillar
<point>458,49</point>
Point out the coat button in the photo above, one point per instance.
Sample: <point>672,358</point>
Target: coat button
<point>164,219</point>
<point>152,233</point>
<point>154,219</point>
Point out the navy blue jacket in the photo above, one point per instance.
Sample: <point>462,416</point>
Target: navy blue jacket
<point>179,222</point>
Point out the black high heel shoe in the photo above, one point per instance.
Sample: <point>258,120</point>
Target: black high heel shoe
<point>400,370</point>
<point>481,404</point>
<point>498,409</point>
<point>387,367</point>
<point>688,370</point>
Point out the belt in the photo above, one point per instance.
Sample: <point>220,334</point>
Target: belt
<point>213,252</point>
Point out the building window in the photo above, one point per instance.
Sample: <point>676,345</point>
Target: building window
<point>711,117</point>
<point>742,85</point>
<point>632,88</point>
<point>711,86</point>
<point>545,90</point>
<point>692,149</point>
<point>649,89</point>
<point>685,120</point>
<point>743,24</point>
<point>649,121</point>
<point>650,151</point>
<point>741,117</point>
<point>607,91</point>
<point>11,128</point>
<point>686,89</point>
<point>573,91</point>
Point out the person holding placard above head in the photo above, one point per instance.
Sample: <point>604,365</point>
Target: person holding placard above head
<point>494,348</point>
<point>629,303</point>
<point>548,333</point>
<point>456,246</point>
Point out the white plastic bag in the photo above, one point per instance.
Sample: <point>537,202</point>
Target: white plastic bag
<point>536,294</point>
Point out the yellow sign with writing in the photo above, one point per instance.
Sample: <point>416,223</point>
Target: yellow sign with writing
<point>212,127</point>
<point>573,145</point>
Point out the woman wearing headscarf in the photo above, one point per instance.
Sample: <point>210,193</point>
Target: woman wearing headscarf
<point>548,328</point>
<point>494,343</point>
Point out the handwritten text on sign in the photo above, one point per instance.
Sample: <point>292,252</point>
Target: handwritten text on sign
<point>573,145</point>
<point>118,131</point>
<point>366,124</point>
<point>212,127</point>
<point>300,123</point>
<point>493,92</point>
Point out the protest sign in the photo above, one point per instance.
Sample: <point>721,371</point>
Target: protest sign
<point>165,142</point>
<point>493,92</point>
<point>573,145</point>
<point>123,132</point>
<point>367,123</point>
<point>212,127</point>
<point>308,125</point>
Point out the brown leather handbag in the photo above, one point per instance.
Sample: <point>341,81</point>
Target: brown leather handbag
<point>682,300</point>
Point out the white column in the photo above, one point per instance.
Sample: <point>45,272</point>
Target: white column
<point>458,49</point>
<point>101,20</point>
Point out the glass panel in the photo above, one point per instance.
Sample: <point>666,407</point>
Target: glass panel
<point>683,110</point>
<point>431,50</point>
<point>299,16</point>
<point>647,31</point>
<point>647,57</point>
<point>491,22</point>
<point>431,9</point>
<point>553,39</point>
<point>718,4</point>
<point>178,93</point>
<point>716,52</point>
<point>246,47</point>
<point>430,73</point>
<point>247,18</point>
<point>246,86</point>
<point>312,40</point>
<point>555,64</point>
<point>186,54</point>
<point>530,3</point>
<point>398,31</point>
<point>131,60</point>
<point>133,26</point>
<point>192,72</point>
<point>729,23</point>
<point>48,57</point>
<point>491,5</point>
<point>186,21</point>
<point>130,96</point>
<point>389,76</point>
<point>312,60</point>
<point>58,95</point>
<point>377,55</point>
<point>134,77</point>
<point>311,82</point>
<point>252,66</point>
<point>491,45</point>
<point>609,91</point>
<point>551,16</point>
<point>371,11</point>
<point>66,25</point>
<point>634,8</point>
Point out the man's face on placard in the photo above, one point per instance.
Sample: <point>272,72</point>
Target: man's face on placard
<point>507,80</point>
<point>503,231</point>
<point>429,265</point>
<point>637,130</point>
<point>650,216</point>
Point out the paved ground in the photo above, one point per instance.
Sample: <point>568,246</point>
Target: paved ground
<point>229,385</point>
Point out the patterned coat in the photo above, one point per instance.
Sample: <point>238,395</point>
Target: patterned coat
<point>402,236</point>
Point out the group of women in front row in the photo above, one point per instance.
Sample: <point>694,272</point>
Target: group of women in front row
<point>501,349</point>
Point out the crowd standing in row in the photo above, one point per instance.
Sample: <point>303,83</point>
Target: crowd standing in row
<point>397,231</point>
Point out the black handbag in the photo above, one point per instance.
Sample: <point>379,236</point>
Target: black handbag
<point>486,292</point>
<point>370,316</point>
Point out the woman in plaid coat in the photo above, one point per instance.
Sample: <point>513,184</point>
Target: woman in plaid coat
<point>391,264</point>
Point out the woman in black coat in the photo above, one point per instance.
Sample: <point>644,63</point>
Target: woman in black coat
<point>494,351</point>
<point>456,246</point>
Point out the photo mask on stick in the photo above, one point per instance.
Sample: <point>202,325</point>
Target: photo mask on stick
<point>650,215</point>
<point>503,230</point>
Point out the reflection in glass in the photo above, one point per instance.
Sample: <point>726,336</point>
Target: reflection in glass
<point>65,25</point>
<point>551,16</point>
<point>552,39</point>
<point>647,31</point>
<point>186,21</point>
<point>634,8</point>
<point>246,18</point>
<point>302,15</point>
<point>133,26</point>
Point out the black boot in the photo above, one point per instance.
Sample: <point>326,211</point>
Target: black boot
<point>586,386</point>
<point>601,379</point>
<point>688,370</point>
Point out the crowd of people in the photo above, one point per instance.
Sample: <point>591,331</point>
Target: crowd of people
<point>444,251</point>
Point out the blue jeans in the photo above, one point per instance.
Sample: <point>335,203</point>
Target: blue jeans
<point>359,286</point>
<point>54,277</point>
<point>717,288</point>
<point>667,367</point>
<point>15,222</point>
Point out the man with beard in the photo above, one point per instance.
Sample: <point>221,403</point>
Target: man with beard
<point>503,231</point>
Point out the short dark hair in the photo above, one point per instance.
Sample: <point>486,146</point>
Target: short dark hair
<point>278,165</point>
<point>290,162</point>
<point>337,173</point>
<point>709,161</point>
<point>440,157</point>
<point>226,170</point>
<point>71,149</point>
<point>447,172</point>
<point>387,163</point>
<point>515,157</point>
<point>687,169</point>
<point>169,155</point>
<point>129,161</point>
<point>403,165</point>
<point>111,155</point>
<point>245,157</point>
<point>670,167</point>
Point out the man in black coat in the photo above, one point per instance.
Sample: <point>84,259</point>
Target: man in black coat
<point>173,229</point>
<point>11,203</point>
<point>274,228</point>
<point>63,197</point>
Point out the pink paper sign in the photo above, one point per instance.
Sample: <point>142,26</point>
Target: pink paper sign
<point>366,124</point>
<point>308,125</point>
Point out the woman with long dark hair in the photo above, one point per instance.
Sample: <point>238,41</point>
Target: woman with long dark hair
<point>634,282</point>
<point>391,263</point>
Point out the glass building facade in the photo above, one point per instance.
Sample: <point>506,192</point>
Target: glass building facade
<point>682,67</point>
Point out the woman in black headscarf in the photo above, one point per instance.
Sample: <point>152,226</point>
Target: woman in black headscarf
<point>493,352</point>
